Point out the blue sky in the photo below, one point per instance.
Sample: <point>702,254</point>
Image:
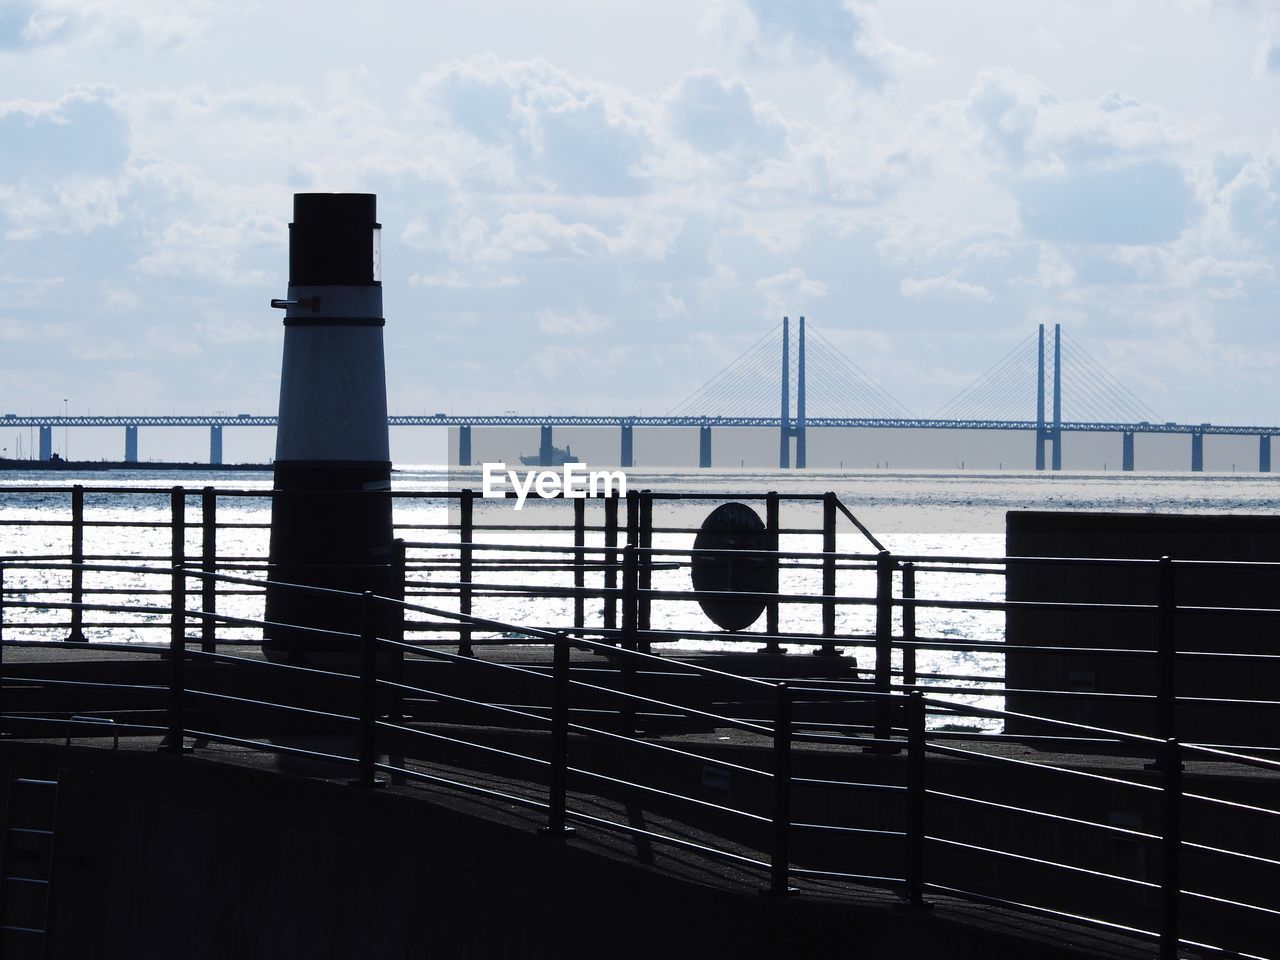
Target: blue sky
<point>594,206</point>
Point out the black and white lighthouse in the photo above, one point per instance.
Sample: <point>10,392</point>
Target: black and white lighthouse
<point>329,525</point>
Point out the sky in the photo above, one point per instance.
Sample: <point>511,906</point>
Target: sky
<point>594,206</point>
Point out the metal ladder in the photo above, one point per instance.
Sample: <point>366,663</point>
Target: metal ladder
<point>26,866</point>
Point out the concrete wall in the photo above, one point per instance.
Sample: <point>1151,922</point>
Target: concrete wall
<point>1146,536</point>
<point>174,857</point>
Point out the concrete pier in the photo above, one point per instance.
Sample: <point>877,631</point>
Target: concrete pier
<point>1197,452</point>
<point>704,446</point>
<point>546,447</point>
<point>1127,450</point>
<point>626,457</point>
<point>1264,453</point>
<point>46,443</point>
<point>215,445</point>
<point>130,444</point>
<point>464,445</point>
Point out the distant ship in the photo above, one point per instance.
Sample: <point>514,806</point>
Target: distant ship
<point>559,457</point>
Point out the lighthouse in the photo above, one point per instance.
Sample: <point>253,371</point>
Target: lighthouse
<point>329,525</point>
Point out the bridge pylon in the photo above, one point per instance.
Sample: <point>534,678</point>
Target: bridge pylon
<point>1051,432</point>
<point>789,426</point>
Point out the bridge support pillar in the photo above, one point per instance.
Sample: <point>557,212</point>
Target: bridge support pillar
<point>464,445</point>
<point>130,444</point>
<point>546,449</point>
<point>626,457</point>
<point>215,445</point>
<point>46,443</point>
<point>1264,453</point>
<point>1056,442</point>
<point>1197,452</point>
<point>1039,451</point>
<point>704,446</point>
<point>1126,457</point>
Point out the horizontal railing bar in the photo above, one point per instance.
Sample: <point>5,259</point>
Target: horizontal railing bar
<point>1042,814</point>
<point>858,831</point>
<point>1051,864</point>
<point>1045,768</point>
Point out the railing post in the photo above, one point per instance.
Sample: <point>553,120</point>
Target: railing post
<point>556,826</point>
<point>2,609</point>
<point>828,647</point>
<point>466,533</point>
<point>610,561</point>
<point>780,858</point>
<point>1171,842</point>
<point>771,538</point>
<point>76,633</point>
<point>908,624</point>
<point>1166,651</point>
<point>884,649</point>
<point>915,801</point>
<point>209,561</point>
<point>630,577</point>
<point>579,567</point>
<point>173,742</point>
<point>400,575</point>
<point>646,570</point>
<point>368,693</point>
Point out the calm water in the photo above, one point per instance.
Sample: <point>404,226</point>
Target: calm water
<point>923,513</point>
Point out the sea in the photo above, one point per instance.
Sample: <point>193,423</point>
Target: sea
<point>917,514</point>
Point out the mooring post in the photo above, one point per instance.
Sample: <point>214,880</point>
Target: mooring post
<point>331,517</point>
<point>1166,650</point>
<point>780,858</point>
<point>828,647</point>
<point>771,504</point>
<point>579,567</point>
<point>209,564</point>
<point>1171,845</point>
<point>558,787</point>
<point>466,535</point>
<point>76,633</point>
<point>915,801</point>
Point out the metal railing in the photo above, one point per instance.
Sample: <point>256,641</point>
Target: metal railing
<point>914,845</point>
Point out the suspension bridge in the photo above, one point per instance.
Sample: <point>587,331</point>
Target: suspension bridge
<point>792,380</point>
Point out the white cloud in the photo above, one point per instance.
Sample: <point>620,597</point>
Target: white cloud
<point>581,136</point>
<point>578,323</point>
<point>716,115</point>
<point>942,288</point>
<point>792,291</point>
